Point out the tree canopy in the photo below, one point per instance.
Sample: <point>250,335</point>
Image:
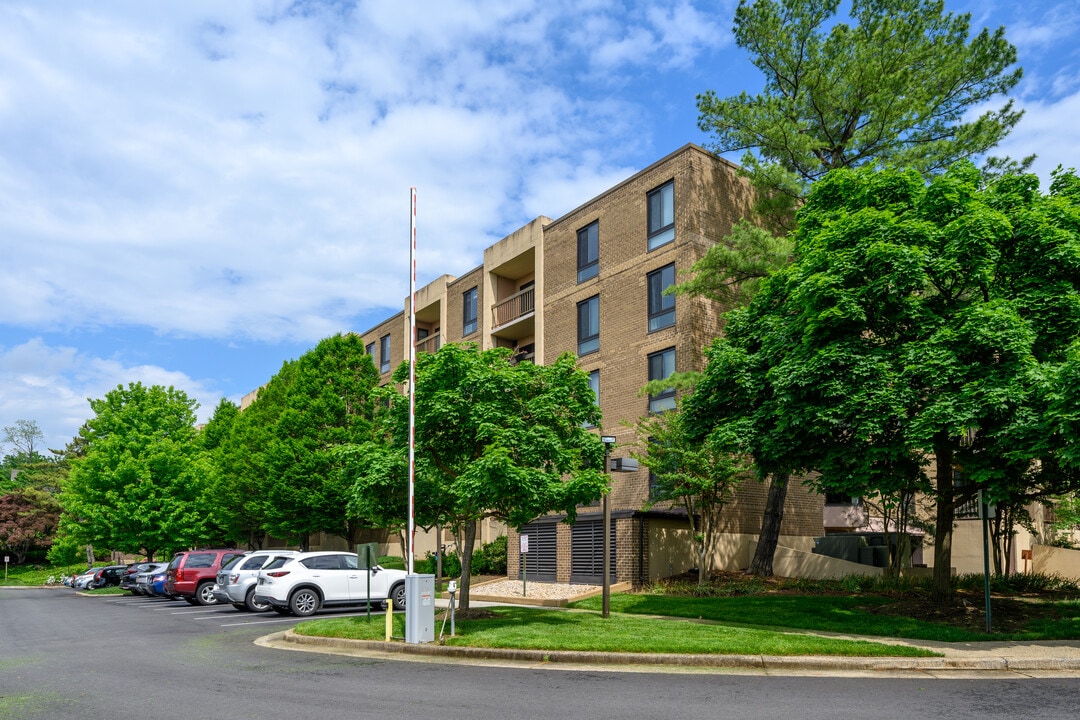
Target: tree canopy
<point>895,87</point>
<point>916,321</point>
<point>140,485</point>
<point>492,440</point>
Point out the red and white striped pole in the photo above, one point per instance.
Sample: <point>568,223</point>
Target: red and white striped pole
<point>412,380</point>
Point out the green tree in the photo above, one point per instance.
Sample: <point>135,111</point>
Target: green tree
<point>895,87</point>
<point>492,440</point>
<point>140,485</point>
<point>320,401</point>
<point>700,476</point>
<point>924,321</point>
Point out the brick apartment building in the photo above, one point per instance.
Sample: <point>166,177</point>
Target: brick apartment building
<point>591,282</point>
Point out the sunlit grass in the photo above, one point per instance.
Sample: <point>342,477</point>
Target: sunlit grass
<point>537,629</point>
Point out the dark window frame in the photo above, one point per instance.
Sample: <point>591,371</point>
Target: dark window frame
<point>470,311</point>
<point>588,337</point>
<point>588,251</point>
<point>661,306</point>
<point>660,233</point>
<point>384,353</point>
<point>665,400</point>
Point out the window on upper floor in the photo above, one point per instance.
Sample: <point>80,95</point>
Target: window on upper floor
<point>588,325</point>
<point>661,306</point>
<point>384,353</point>
<point>661,367</point>
<point>588,252</point>
<point>661,202</point>
<point>469,311</point>
<point>370,349</point>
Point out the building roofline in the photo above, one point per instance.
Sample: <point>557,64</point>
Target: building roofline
<point>688,147</point>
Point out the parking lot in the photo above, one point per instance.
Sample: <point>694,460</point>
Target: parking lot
<point>224,616</point>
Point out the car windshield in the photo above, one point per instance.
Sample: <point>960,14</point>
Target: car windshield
<point>276,563</point>
<point>232,562</point>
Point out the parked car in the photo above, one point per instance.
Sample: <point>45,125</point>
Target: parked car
<point>143,579</point>
<point>308,581</point>
<point>83,580</point>
<point>157,583</point>
<point>236,580</point>
<point>108,576</point>
<point>191,574</point>
<point>128,579</point>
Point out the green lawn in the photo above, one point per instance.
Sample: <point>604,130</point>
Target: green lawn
<point>542,629</point>
<point>839,614</point>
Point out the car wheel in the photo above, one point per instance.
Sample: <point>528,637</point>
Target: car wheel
<point>255,605</point>
<point>304,602</point>
<point>397,596</point>
<point>205,594</point>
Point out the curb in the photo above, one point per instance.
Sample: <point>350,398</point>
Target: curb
<point>750,662</point>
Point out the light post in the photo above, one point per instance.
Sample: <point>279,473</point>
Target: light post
<point>608,441</point>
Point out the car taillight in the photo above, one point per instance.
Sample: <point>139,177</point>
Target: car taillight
<point>234,578</point>
<point>277,573</point>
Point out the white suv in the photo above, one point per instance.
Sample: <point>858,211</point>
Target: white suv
<point>236,580</point>
<point>308,581</point>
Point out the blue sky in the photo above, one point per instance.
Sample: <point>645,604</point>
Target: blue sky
<point>192,193</point>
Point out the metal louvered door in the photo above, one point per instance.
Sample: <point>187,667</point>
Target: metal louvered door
<point>587,552</point>
<point>541,562</point>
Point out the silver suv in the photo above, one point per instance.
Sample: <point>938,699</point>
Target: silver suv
<point>236,580</point>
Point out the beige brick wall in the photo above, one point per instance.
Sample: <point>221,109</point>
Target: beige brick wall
<point>455,306</point>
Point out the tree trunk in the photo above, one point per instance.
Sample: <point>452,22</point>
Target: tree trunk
<point>770,527</point>
<point>942,589</point>
<point>466,562</point>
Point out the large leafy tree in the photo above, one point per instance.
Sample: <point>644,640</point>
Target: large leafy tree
<point>895,87</point>
<point>922,321</point>
<point>320,401</point>
<point>140,483</point>
<point>492,440</point>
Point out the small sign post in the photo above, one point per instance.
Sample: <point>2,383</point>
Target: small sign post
<point>524,569</point>
<point>6,559</point>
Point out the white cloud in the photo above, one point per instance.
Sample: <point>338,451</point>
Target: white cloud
<point>51,386</point>
<point>242,170</point>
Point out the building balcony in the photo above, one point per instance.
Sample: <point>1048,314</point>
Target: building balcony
<point>430,344</point>
<point>513,317</point>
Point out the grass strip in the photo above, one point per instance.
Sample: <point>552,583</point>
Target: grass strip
<point>831,613</point>
<point>538,629</point>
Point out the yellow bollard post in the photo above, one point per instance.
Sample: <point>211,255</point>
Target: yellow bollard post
<point>389,619</point>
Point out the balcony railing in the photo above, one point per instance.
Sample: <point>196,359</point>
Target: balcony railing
<point>516,306</point>
<point>429,344</point>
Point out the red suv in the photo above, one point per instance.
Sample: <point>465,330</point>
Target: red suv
<point>192,573</point>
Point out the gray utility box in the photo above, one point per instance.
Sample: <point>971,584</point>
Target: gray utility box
<point>419,608</point>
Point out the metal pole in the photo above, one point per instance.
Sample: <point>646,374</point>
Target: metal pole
<point>412,380</point>
<point>606,611</point>
<point>984,513</point>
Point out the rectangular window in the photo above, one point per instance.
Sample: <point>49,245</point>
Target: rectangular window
<point>370,349</point>
<point>588,325</point>
<point>594,384</point>
<point>588,252</point>
<point>661,367</point>
<point>661,306</point>
<point>384,353</point>
<point>661,215</point>
<point>468,325</point>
